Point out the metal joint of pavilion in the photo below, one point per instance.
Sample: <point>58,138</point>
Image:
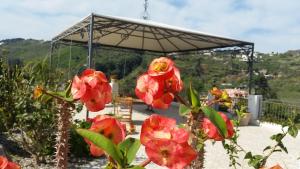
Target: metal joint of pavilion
<point>145,35</point>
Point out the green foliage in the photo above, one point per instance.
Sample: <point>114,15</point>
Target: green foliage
<point>258,161</point>
<point>104,143</point>
<point>129,148</point>
<point>183,110</point>
<point>78,147</point>
<point>123,154</point>
<point>35,121</point>
<point>194,97</point>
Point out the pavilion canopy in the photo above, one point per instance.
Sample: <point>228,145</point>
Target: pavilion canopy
<point>142,35</point>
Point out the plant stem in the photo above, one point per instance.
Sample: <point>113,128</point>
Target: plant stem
<point>62,149</point>
<point>181,100</point>
<point>194,122</point>
<point>146,162</point>
<point>273,150</point>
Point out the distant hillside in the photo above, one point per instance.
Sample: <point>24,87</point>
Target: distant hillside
<point>278,73</point>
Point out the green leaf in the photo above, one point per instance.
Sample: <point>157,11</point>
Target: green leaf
<point>248,155</point>
<point>282,147</point>
<point>101,141</point>
<point>216,119</point>
<point>129,147</point>
<point>267,148</point>
<point>183,110</point>
<point>194,97</point>
<point>293,131</point>
<point>277,137</point>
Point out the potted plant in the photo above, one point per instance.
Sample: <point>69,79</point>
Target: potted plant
<point>244,116</point>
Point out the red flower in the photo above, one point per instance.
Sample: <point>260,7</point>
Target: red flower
<point>158,86</point>
<point>110,128</point>
<point>5,164</point>
<point>158,127</point>
<point>148,89</point>
<point>93,89</point>
<point>165,144</point>
<point>212,132</point>
<point>170,153</point>
<point>161,68</point>
<point>216,92</point>
<point>164,101</point>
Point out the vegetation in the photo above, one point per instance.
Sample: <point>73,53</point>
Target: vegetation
<point>276,75</point>
<point>20,113</point>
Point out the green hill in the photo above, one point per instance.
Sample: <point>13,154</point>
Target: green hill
<point>278,74</point>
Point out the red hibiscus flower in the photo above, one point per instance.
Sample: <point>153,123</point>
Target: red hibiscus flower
<point>148,88</point>
<point>93,89</point>
<point>170,153</point>
<point>110,128</point>
<point>161,68</point>
<point>212,132</point>
<point>158,127</point>
<point>5,164</point>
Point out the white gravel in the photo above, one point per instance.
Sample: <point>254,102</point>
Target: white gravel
<point>252,138</point>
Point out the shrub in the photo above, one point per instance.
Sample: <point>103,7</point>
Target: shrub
<point>21,114</point>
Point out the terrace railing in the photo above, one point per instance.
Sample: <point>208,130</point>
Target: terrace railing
<point>279,112</point>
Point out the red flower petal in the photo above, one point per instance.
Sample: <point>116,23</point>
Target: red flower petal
<point>156,127</point>
<point>12,165</point>
<point>95,151</point>
<point>164,101</point>
<point>148,88</point>
<point>94,100</point>
<point>78,88</point>
<point>92,77</point>
<point>3,162</point>
<point>169,153</point>
<point>161,68</point>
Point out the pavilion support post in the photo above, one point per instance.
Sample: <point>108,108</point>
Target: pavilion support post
<point>90,49</point>
<point>90,42</point>
<point>250,64</point>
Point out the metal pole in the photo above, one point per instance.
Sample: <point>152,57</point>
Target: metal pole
<point>250,64</point>
<point>90,48</point>
<point>90,42</point>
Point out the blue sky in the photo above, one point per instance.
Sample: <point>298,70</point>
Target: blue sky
<point>273,25</point>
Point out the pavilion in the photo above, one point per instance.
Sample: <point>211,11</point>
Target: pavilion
<point>145,35</point>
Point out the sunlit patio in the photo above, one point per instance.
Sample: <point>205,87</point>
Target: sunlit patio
<point>252,138</point>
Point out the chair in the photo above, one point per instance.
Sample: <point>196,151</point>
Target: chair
<point>123,110</point>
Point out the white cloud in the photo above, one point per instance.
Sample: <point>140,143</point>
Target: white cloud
<point>273,25</point>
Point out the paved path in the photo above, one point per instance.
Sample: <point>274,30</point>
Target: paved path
<point>252,138</point>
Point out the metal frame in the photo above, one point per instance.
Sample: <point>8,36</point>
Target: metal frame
<point>99,23</point>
